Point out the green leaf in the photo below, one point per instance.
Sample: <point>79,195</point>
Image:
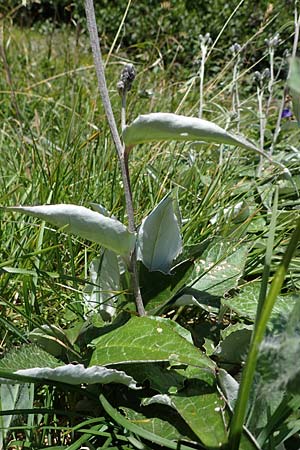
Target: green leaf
<point>146,339</point>
<point>85,223</point>
<point>294,75</point>
<point>162,422</point>
<point>145,434</point>
<point>159,240</point>
<point>233,348</point>
<point>245,303</point>
<point>52,339</point>
<point>158,288</point>
<point>26,357</point>
<point>168,126</point>
<point>221,270</point>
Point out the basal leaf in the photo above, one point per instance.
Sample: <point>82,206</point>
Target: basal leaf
<point>146,339</point>
<point>159,240</point>
<point>245,304</point>
<point>168,126</point>
<point>169,426</point>
<point>74,374</point>
<point>145,434</point>
<point>158,288</point>
<point>202,408</point>
<point>85,223</point>
<point>222,264</point>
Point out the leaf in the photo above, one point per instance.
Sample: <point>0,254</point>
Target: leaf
<point>158,289</point>
<point>51,339</point>
<point>245,303</point>
<point>229,386</point>
<point>26,357</point>
<point>146,339</point>
<point>232,350</point>
<point>85,223</point>
<point>161,421</point>
<point>221,270</point>
<point>294,85</point>
<point>203,410</point>
<point>100,296</point>
<point>74,374</point>
<point>159,240</point>
<point>294,75</point>
<point>12,397</point>
<point>168,126</point>
<point>145,434</point>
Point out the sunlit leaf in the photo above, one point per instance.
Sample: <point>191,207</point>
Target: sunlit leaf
<point>220,268</point>
<point>159,240</point>
<point>74,374</point>
<point>168,126</point>
<point>85,223</point>
<point>146,339</point>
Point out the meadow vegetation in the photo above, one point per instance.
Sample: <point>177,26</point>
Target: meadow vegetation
<point>216,229</point>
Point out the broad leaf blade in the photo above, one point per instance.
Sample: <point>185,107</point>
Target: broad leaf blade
<point>221,269</point>
<point>244,304</point>
<point>159,239</point>
<point>146,339</point>
<point>85,223</point>
<point>100,295</point>
<point>168,126</point>
<point>128,425</point>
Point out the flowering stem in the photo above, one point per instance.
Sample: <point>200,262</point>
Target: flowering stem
<point>120,148</point>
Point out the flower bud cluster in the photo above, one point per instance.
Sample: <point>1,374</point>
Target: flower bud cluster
<point>235,48</point>
<point>261,77</point>
<point>273,41</point>
<point>205,40</point>
<point>126,79</point>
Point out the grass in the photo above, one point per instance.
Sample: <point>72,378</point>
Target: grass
<point>56,148</point>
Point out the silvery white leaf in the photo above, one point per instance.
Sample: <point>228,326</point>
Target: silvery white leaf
<point>99,296</point>
<point>169,126</point>
<point>159,238</point>
<point>85,223</point>
<point>78,374</point>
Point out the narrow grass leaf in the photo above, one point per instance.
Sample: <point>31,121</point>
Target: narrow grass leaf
<point>85,223</point>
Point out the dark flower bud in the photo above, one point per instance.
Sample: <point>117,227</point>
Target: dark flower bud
<point>235,48</point>
<point>126,79</point>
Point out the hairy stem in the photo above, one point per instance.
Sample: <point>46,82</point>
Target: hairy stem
<point>120,148</point>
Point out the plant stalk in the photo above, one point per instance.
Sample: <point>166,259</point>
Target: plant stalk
<point>120,148</point>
